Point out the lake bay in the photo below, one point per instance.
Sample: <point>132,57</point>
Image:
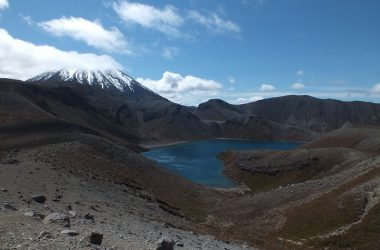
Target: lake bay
<point>198,161</point>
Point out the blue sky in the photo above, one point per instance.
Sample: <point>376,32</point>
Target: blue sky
<point>193,50</point>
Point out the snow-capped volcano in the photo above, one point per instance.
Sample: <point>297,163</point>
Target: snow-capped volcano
<point>108,79</point>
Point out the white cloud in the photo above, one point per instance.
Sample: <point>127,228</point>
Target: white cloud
<point>170,20</point>
<point>27,19</point>
<point>90,32</point>
<point>241,100</point>
<point>300,72</point>
<point>22,60</point>
<point>166,20</point>
<point>297,85</point>
<point>170,52</point>
<point>376,88</point>
<point>214,23</point>
<point>231,80</point>
<point>4,4</point>
<point>267,87</point>
<point>183,89</point>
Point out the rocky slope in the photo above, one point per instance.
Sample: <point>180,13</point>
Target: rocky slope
<point>315,114</point>
<point>94,185</point>
<point>257,128</point>
<point>324,194</point>
<point>118,96</point>
<point>143,118</point>
<point>89,193</point>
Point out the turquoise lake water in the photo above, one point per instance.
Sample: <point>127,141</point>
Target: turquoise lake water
<point>198,161</point>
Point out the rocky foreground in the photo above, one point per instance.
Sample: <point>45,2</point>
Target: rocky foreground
<point>80,191</point>
<point>83,194</point>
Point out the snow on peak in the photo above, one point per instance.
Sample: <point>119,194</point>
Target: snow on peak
<point>106,79</point>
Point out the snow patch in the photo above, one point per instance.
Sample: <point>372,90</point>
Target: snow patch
<point>106,79</point>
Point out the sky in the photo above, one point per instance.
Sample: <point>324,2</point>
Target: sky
<point>190,51</point>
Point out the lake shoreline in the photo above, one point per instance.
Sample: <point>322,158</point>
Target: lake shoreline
<point>159,145</point>
<point>200,162</point>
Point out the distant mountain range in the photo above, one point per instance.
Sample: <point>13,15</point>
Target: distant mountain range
<point>306,112</point>
<point>113,104</point>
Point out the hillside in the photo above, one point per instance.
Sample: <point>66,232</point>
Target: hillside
<point>84,164</point>
<point>324,194</point>
<point>138,117</point>
<point>303,112</point>
<point>77,145</point>
<point>218,111</point>
<point>144,118</point>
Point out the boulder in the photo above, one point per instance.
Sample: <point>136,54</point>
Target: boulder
<point>57,218</point>
<point>39,198</point>
<point>89,217</point>
<point>72,213</point>
<point>44,235</point>
<point>29,214</point>
<point>57,198</point>
<point>96,238</point>
<point>11,161</point>
<point>8,206</point>
<point>70,232</point>
<point>34,214</point>
<point>165,244</point>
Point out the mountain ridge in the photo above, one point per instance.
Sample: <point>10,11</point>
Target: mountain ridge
<point>114,80</point>
<point>124,103</point>
<point>305,112</point>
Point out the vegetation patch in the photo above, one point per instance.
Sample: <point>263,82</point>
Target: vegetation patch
<point>262,183</point>
<point>322,216</point>
<point>365,235</point>
<point>328,212</point>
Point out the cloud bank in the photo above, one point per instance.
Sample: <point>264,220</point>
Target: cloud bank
<point>22,60</point>
<point>4,4</point>
<point>183,89</point>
